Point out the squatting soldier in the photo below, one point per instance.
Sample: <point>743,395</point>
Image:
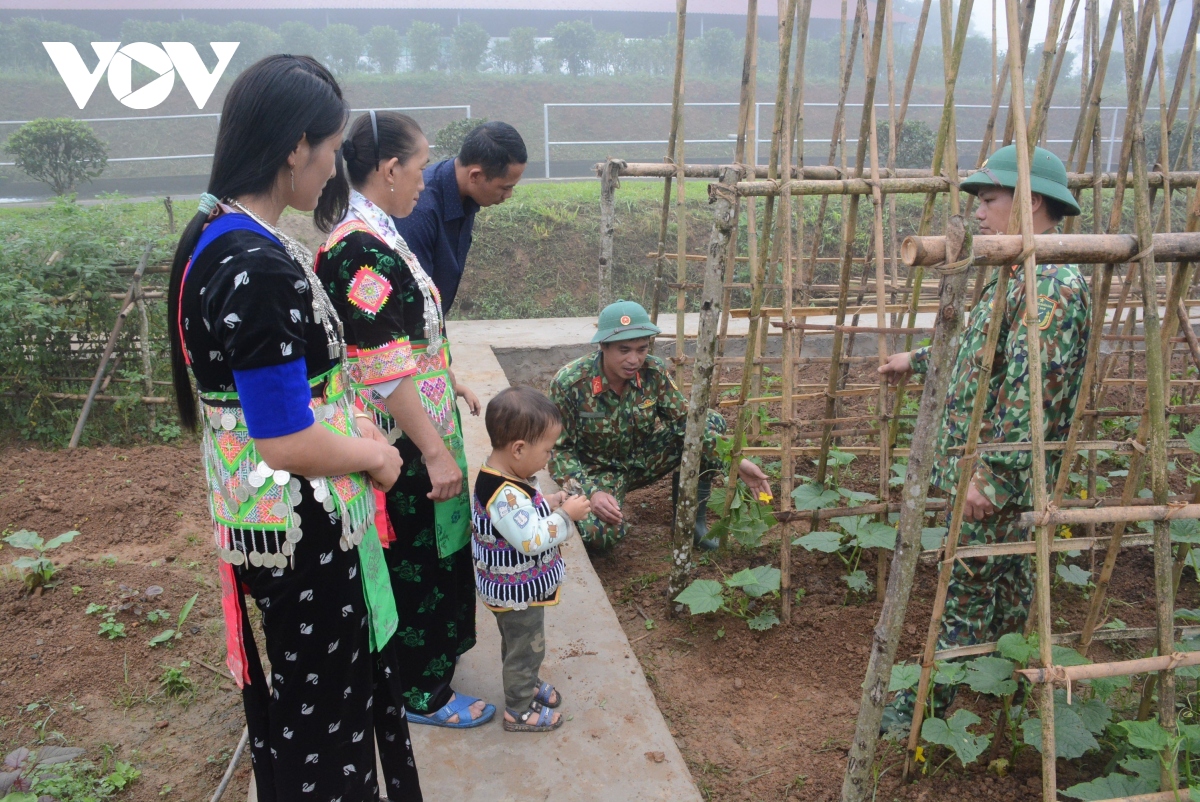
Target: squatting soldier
<point>623,426</point>
<point>990,596</point>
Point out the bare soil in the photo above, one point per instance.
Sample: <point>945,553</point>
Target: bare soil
<point>143,521</point>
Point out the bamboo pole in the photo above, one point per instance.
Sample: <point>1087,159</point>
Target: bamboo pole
<point>672,161</point>
<point>1165,663</point>
<point>856,784</point>
<point>923,184</point>
<point>702,375</point>
<point>609,182</point>
<point>127,305</point>
<point>1059,248</point>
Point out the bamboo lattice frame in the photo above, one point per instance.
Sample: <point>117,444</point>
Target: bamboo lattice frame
<point>779,267</point>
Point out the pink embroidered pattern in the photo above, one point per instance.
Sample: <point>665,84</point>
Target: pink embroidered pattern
<point>386,363</point>
<point>369,291</point>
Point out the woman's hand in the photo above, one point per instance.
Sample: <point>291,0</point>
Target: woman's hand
<point>754,478</point>
<point>368,429</point>
<point>444,475</point>
<point>388,471</point>
<point>468,395</point>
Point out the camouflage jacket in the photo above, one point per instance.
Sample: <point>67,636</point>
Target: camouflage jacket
<point>1064,318</point>
<point>603,431</point>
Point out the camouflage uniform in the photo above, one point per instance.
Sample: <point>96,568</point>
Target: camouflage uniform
<point>618,443</point>
<point>994,597</point>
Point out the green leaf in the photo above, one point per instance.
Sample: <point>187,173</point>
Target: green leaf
<point>814,497</point>
<point>859,582</point>
<point>1185,530</point>
<point>837,458</point>
<point>65,537</point>
<point>932,537</point>
<point>856,497</point>
<point>1094,713</point>
<point>1105,687</point>
<point>827,542</point>
<point>948,673</point>
<point>1016,648</point>
<point>904,676</point>
<point>1193,439</point>
<point>1066,656</point>
<point>1191,737</point>
<point>25,539</point>
<point>94,608</point>
<point>1114,786</point>
<point>1146,735</point>
<point>991,675</point>
<point>756,582</point>
<point>183,613</point>
<point>1071,736</point>
<point>878,536</point>
<point>1074,575</point>
<point>1116,624</point>
<point>764,620</point>
<point>702,596</point>
<point>954,735</point>
<point>1146,768</point>
<point>1184,614</point>
<point>854,525</point>
<point>162,637</point>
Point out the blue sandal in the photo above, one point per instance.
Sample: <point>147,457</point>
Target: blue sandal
<point>460,704</point>
<point>544,691</point>
<point>538,718</point>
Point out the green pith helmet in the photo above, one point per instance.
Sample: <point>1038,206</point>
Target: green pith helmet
<point>1048,176</point>
<point>624,320</point>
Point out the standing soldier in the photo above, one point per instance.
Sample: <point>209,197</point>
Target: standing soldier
<point>623,426</point>
<point>990,596</point>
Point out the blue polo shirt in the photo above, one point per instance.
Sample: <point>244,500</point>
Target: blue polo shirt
<point>439,229</point>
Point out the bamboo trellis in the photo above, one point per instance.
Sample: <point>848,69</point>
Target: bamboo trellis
<point>784,302</point>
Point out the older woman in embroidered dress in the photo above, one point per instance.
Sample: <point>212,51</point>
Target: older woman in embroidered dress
<point>290,477</point>
<point>396,331</point>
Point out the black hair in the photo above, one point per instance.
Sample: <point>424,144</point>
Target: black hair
<point>373,137</point>
<point>272,105</point>
<point>519,413</point>
<point>1055,208</point>
<point>493,146</point>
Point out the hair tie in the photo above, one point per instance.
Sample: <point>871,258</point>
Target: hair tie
<point>349,151</point>
<point>208,202</point>
<point>375,134</point>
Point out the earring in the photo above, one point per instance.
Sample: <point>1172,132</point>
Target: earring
<point>392,188</point>
<point>293,177</point>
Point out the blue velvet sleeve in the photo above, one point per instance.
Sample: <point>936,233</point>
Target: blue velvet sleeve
<point>275,399</point>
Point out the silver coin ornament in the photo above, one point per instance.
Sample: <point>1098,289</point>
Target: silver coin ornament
<point>281,477</point>
<point>228,421</point>
<point>256,559</point>
<point>279,509</point>
<point>328,504</point>
<point>241,493</point>
<point>256,481</point>
<point>293,536</point>
<point>320,493</point>
<point>343,543</point>
<point>214,420</point>
<point>237,558</point>
<point>294,486</point>
<point>287,549</point>
<point>264,470</point>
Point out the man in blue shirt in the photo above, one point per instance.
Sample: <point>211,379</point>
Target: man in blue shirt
<point>489,164</point>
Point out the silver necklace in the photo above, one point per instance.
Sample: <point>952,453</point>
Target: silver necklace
<point>322,307</point>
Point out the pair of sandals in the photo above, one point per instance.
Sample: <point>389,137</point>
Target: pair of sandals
<point>460,705</point>
<point>540,715</point>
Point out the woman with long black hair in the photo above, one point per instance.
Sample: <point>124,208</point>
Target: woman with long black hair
<point>291,470</point>
<point>401,367</point>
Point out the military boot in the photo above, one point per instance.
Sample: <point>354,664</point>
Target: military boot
<point>700,538</point>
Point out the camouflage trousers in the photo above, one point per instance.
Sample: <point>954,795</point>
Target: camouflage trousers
<point>986,598</point>
<point>657,456</point>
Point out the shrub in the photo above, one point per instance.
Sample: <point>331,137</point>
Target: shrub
<point>719,51</point>
<point>448,141</point>
<point>470,46</point>
<point>917,141</point>
<point>384,48</point>
<point>300,39</point>
<point>1174,144</point>
<point>21,43</point>
<point>574,43</point>
<point>255,42</point>
<point>60,152</point>
<point>518,53</point>
<point>343,47</point>
<point>425,46</point>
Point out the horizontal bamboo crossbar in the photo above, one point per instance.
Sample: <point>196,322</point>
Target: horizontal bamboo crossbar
<point>818,172</point>
<point>936,505</point>
<point>915,185</point>
<point>1058,544</point>
<point>1066,639</point>
<point>1056,249</point>
<point>1104,515</point>
<point>1118,668</point>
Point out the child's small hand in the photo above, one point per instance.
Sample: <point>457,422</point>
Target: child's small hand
<point>466,394</point>
<point>577,507</point>
<point>555,500</point>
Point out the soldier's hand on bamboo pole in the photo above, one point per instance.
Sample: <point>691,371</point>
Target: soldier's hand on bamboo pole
<point>977,506</point>
<point>754,478</point>
<point>898,367</point>
<point>606,508</point>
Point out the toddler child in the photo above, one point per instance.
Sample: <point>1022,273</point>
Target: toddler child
<point>517,531</point>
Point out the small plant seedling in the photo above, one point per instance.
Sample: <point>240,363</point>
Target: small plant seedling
<point>175,683</point>
<point>38,571</point>
<point>168,635</point>
<point>650,624</point>
<point>94,608</point>
<point>111,628</point>
<point>155,616</point>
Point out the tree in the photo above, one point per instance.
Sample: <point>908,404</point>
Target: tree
<point>255,42</point>
<point>425,46</point>
<point>610,56</point>
<point>343,47</point>
<point>60,152</point>
<point>447,142</point>
<point>384,48</point>
<point>719,52</point>
<point>518,53</point>
<point>470,46</point>
<point>574,43</point>
<point>917,141</point>
<point>21,43</point>
<point>652,55</point>
<point>300,39</point>
<point>1174,144</point>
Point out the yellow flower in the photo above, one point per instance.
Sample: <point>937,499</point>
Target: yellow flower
<point>920,754</point>
<point>1064,531</point>
<point>1083,494</point>
<point>765,498</point>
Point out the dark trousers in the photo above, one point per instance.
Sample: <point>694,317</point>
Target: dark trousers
<point>522,649</point>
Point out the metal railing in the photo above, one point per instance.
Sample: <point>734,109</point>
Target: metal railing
<point>151,117</point>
